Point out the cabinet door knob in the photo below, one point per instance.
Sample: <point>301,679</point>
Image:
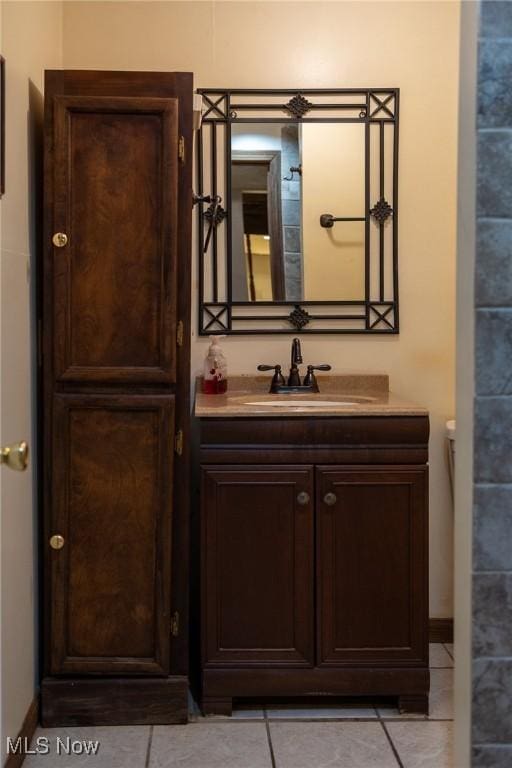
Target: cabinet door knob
<point>303,498</point>
<point>57,542</point>
<point>330,499</point>
<point>60,239</point>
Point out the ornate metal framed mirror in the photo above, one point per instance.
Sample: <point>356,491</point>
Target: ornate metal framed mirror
<point>298,211</point>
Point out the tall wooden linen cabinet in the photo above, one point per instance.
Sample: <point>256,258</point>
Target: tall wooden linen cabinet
<point>115,356</point>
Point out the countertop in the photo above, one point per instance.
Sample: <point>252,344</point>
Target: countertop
<point>245,393</point>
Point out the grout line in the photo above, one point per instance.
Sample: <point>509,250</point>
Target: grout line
<point>269,738</point>
<point>390,740</point>
<point>150,742</point>
<point>416,719</point>
<point>450,654</point>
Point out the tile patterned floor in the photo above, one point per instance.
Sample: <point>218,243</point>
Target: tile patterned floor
<point>366,736</point>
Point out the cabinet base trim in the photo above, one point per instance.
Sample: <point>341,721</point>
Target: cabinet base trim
<point>218,685</point>
<point>440,630</point>
<point>114,701</point>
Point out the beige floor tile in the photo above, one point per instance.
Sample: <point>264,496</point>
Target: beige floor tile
<point>392,713</point>
<point>247,713</point>
<point>423,745</point>
<point>441,694</point>
<point>439,656</point>
<point>119,747</point>
<point>331,745</point>
<point>320,713</point>
<point>207,744</point>
<point>440,699</point>
<point>239,713</point>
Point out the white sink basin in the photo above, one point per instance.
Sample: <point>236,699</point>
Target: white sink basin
<point>309,403</point>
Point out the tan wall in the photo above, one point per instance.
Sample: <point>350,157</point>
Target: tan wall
<point>333,182</point>
<point>413,46</point>
<point>31,41</point>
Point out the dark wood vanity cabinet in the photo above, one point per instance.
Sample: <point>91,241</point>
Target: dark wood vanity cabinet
<point>115,332</point>
<point>314,575</point>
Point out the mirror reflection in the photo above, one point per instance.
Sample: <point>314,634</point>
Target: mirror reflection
<point>284,177</point>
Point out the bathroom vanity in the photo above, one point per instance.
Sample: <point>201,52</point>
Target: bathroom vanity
<point>314,543</point>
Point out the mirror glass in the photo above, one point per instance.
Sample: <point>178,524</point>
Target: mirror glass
<point>297,211</point>
<point>284,177</point>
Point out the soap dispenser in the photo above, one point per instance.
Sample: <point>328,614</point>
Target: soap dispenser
<point>215,375</point>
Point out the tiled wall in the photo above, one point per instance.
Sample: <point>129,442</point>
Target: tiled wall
<point>291,191</point>
<point>492,542</point>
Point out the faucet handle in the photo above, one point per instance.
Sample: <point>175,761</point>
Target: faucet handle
<point>310,378</point>
<point>277,378</point>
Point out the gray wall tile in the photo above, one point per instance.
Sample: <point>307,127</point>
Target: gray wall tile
<point>492,757</point>
<point>493,440</point>
<point>492,528</point>
<point>492,694</point>
<point>293,276</point>
<point>492,520</point>
<point>291,212</point>
<point>494,171</point>
<point>495,18</point>
<point>292,239</point>
<point>494,77</point>
<point>493,352</point>
<point>493,279</point>
<point>492,617</point>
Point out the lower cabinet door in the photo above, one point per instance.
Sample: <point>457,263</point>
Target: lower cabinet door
<point>112,507</point>
<point>257,566</point>
<point>372,550</point>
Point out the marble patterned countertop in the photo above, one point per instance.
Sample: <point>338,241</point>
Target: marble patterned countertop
<point>349,394</point>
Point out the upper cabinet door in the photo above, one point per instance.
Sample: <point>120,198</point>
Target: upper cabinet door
<point>115,192</point>
<point>371,559</point>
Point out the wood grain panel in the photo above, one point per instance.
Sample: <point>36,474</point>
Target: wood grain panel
<point>347,440</point>
<point>257,565</point>
<point>115,187</point>
<point>114,701</point>
<point>112,503</point>
<point>371,559</point>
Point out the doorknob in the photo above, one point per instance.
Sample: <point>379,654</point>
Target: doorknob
<point>303,498</point>
<point>330,499</point>
<point>15,456</point>
<point>57,541</point>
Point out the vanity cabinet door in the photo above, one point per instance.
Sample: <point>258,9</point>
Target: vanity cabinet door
<point>257,566</point>
<point>372,549</point>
